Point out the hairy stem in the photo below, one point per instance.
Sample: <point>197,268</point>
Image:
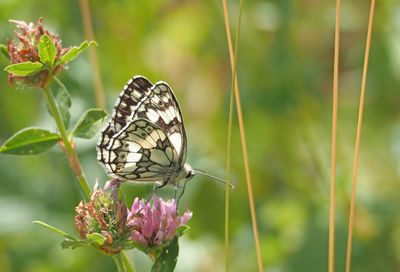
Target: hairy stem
<point>67,144</point>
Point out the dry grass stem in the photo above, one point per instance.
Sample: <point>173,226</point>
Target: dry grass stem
<point>242,136</point>
<point>360,115</point>
<point>88,28</point>
<point>331,258</point>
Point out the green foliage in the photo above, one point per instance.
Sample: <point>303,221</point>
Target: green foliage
<point>181,230</point>
<point>166,262</point>
<point>4,50</point>
<point>53,229</point>
<point>72,244</point>
<point>69,242</point>
<point>47,50</point>
<point>89,123</point>
<point>24,68</point>
<point>30,141</point>
<point>285,63</point>
<point>96,238</point>
<point>75,51</point>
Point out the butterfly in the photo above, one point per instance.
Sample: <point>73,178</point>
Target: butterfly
<point>145,139</point>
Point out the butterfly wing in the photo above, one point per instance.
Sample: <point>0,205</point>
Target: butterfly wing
<point>135,92</point>
<point>157,106</point>
<point>141,152</point>
<point>161,108</point>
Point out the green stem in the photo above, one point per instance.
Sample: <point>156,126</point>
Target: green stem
<point>127,263</point>
<point>119,262</point>
<point>57,117</point>
<point>84,185</point>
<point>67,144</point>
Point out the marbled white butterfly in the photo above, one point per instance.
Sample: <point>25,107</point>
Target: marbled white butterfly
<point>145,139</point>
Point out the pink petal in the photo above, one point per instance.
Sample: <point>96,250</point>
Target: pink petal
<point>138,237</point>
<point>158,240</point>
<point>186,217</point>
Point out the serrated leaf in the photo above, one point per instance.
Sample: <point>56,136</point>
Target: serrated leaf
<point>166,262</point>
<point>24,68</point>
<point>96,238</point>
<point>29,141</point>
<point>68,243</point>
<point>47,50</point>
<point>89,123</point>
<point>4,50</point>
<point>75,51</point>
<point>63,100</point>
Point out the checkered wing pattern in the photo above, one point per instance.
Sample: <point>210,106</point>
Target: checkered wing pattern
<point>145,138</point>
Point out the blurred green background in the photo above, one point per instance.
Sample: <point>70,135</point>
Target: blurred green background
<point>285,75</point>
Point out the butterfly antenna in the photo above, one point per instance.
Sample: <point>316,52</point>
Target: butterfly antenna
<point>202,172</point>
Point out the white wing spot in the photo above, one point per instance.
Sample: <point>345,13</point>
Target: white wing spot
<point>112,156</point>
<point>176,140</point>
<point>131,146</point>
<point>133,157</point>
<point>152,115</point>
<point>136,94</point>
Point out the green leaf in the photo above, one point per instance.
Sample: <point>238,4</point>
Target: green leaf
<point>181,230</point>
<point>53,229</point>
<point>24,68</point>
<point>63,100</point>
<point>166,262</point>
<point>4,50</point>
<point>68,243</point>
<point>75,51</point>
<point>89,123</point>
<point>97,238</point>
<point>29,141</point>
<point>47,50</point>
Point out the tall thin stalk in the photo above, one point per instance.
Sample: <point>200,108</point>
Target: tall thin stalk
<point>357,147</point>
<point>241,129</point>
<point>98,85</point>
<point>331,258</point>
<point>228,164</point>
<point>94,62</point>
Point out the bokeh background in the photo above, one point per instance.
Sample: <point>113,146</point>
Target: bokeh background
<point>285,67</point>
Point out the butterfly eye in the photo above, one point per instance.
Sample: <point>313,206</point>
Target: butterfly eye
<point>189,175</point>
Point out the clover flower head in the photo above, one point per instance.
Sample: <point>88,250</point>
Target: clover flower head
<point>26,49</point>
<point>155,225</point>
<point>104,216</point>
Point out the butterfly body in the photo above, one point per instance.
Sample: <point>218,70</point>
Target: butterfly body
<point>145,139</point>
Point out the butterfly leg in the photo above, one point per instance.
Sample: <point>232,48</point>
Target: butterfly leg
<point>180,196</point>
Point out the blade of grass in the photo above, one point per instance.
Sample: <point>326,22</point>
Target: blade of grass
<point>88,27</point>
<point>360,115</point>
<point>232,58</point>
<point>331,258</point>
<point>228,163</point>
<point>228,150</point>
